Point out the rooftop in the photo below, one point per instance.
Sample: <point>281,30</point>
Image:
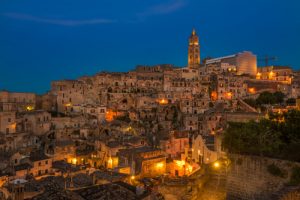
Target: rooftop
<point>37,156</point>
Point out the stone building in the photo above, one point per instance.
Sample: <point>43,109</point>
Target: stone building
<point>143,161</point>
<point>203,150</point>
<point>8,122</point>
<point>281,74</point>
<point>37,122</point>
<point>68,93</point>
<point>176,144</point>
<point>17,101</point>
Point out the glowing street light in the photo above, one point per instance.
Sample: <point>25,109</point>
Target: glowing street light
<point>216,164</point>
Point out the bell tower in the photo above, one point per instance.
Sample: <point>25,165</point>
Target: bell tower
<point>194,51</point>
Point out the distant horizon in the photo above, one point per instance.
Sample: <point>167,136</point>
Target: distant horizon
<point>55,40</point>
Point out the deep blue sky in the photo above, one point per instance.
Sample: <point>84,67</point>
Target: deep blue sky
<point>44,40</point>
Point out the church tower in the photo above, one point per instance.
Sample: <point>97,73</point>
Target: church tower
<point>194,51</point>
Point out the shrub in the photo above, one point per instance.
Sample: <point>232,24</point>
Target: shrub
<point>295,177</point>
<point>275,171</point>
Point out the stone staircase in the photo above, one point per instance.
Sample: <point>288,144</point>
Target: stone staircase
<point>246,106</point>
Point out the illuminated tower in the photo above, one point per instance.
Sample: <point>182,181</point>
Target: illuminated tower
<point>194,51</point>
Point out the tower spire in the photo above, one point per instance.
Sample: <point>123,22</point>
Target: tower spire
<point>193,31</point>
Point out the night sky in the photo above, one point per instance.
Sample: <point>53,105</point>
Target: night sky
<point>45,40</point>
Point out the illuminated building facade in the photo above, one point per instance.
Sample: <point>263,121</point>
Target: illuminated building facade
<point>143,161</point>
<point>242,63</point>
<point>282,74</point>
<point>194,51</point>
<point>17,101</point>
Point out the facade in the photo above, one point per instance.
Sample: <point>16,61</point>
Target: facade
<point>37,122</point>
<point>17,101</point>
<point>143,161</point>
<point>243,63</point>
<point>176,145</point>
<point>8,122</point>
<point>282,74</point>
<point>201,153</point>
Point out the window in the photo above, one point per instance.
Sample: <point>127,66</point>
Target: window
<point>40,163</point>
<point>46,162</point>
<point>9,119</point>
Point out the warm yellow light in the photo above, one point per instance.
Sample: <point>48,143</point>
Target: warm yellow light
<point>216,164</point>
<point>109,162</point>
<point>29,108</point>
<point>258,75</point>
<point>251,90</point>
<point>229,94</point>
<point>214,95</point>
<point>189,169</point>
<point>163,101</point>
<point>68,104</point>
<point>180,163</point>
<point>14,125</point>
<point>74,161</point>
<point>160,165</point>
<point>271,75</point>
<point>132,177</point>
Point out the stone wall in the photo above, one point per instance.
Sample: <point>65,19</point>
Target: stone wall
<point>248,178</point>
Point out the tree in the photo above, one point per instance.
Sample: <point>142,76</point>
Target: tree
<point>277,137</point>
<point>278,97</point>
<point>291,101</point>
